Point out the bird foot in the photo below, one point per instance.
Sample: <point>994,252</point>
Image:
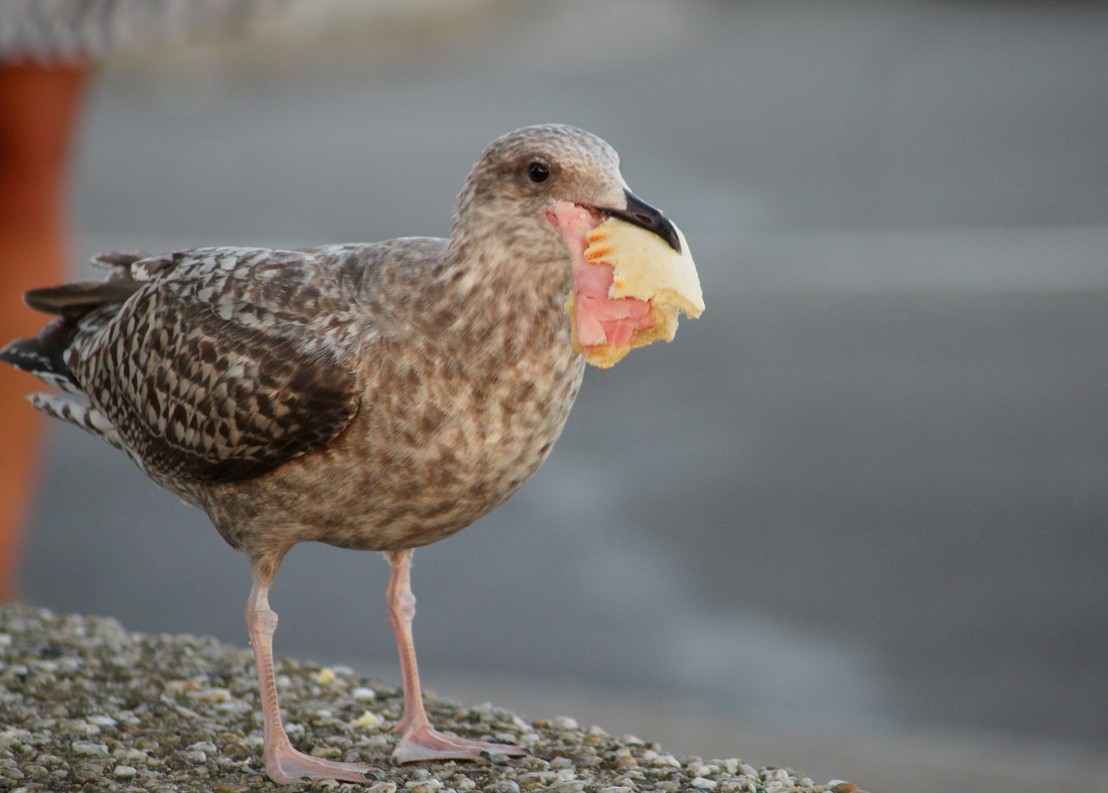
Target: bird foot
<point>286,765</point>
<point>420,744</point>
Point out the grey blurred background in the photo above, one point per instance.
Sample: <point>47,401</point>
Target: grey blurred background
<point>852,521</point>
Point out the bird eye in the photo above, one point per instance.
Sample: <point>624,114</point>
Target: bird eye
<point>539,172</point>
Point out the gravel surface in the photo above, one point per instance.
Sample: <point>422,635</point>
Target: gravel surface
<point>87,705</point>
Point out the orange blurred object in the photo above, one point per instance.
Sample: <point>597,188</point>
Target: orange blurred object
<point>39,108</point>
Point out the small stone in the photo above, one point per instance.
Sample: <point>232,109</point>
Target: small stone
<point>363,694</point>
<point>564,723</point>
<point>125,771</point>
<point>89,770</point>
<point>428,786</point>
<point>531,763</point>
<point>81,727</point>
<point>576,786</point>
<point>735,786</point>
<point>50,760</point>
<point>326,676</point>
<point>503,786</point>
<point>700,783</point>
<point>462,782</point>
<point>367,721</point>
<point>88,748</point>
<point>661,760</point>
<point>212,694</point>
<point>771,774</point>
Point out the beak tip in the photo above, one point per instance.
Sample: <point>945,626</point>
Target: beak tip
<point>645,216</point>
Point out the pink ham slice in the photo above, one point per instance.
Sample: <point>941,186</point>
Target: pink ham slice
<point>600,319</point>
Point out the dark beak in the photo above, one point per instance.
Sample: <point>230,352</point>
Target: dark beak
<point>641,214</point>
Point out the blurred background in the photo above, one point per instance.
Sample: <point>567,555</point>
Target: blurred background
<point>853,521</point>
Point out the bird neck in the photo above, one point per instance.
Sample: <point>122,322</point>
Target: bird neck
<point>503,295</point>
<point>527,266</point>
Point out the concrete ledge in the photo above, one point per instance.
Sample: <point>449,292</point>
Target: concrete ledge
<point>88,705</point>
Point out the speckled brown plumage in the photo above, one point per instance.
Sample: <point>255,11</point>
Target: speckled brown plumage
<point>371,396</point>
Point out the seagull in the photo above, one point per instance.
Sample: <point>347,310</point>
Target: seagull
<point>372,396</point>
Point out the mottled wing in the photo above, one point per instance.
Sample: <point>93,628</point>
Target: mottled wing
<point>227,363</point>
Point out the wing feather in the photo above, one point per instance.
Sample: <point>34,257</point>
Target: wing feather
<point>225,363</point>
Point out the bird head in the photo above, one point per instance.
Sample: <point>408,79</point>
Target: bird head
<point>551,198</point>
<point>521,177</point>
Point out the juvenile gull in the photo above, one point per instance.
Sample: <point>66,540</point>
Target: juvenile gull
<point>370,396</point>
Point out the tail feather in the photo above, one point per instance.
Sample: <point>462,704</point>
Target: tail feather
<point>118,263</point>
<point>77,304</point>
<point>77,410</point>
<point>75,300</point>
<point>81,307</point>
<point>44,355</point>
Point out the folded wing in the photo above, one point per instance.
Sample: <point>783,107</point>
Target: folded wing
<point>221,364</point>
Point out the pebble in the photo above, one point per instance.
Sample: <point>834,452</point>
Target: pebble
<point>179,714</point>
<point>655,759</point>
<point>367,721</point>
<point>86,748</point>
<point>325,677</point>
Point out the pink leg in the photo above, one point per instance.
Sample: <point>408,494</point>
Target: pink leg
<point>418,740</point>
<point>284,764</point>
